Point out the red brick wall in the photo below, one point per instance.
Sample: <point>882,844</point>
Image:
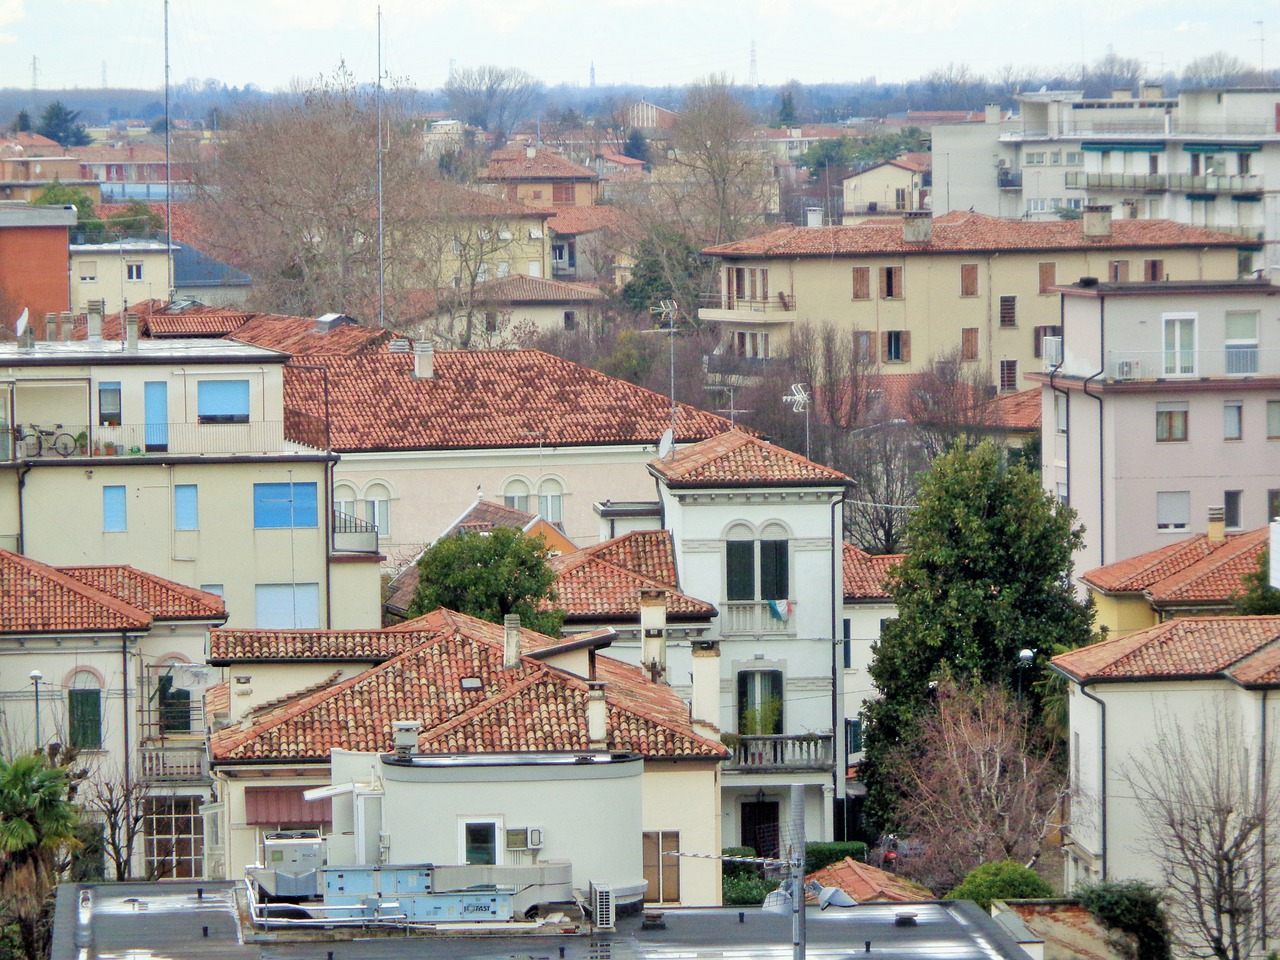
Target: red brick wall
<point>33,273</point>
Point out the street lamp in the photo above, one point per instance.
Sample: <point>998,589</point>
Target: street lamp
<point>1025,658</point>
<point>36,676</point>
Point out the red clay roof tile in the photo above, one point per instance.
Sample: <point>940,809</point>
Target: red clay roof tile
<point>737,458</point>
<point>866,575</point>
<point>37,598</point>
<point>511,165</point>
<point>1194,570</point>
<point>163,599</point>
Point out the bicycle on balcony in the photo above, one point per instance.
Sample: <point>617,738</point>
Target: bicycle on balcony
<point>37,442</point>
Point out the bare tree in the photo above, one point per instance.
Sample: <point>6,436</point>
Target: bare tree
<point>1208,803</point>
<point>122,806</point>
<point>493,98</point>
<point>887,465</point>
<point>1219,69</point>
<point>950,403</point>
<point>980,790</point>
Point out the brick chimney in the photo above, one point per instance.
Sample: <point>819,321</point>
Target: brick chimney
<point>424,360</point>
<point>511,641</point>
<point>917,226</point>
<point>1217,532</point>
<point>1097,220</point>
<point>597,716</point>
<point>653,633</point>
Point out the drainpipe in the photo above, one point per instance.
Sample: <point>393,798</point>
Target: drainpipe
<point>1102,493</point>
<point>1066,397</point>
<point>22,483</point>
<point>841,760</point>
<point>1102,705</point>
<point>124,672</point>
<point>1264,788</point>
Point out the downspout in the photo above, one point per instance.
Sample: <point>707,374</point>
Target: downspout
<point>1265,787</point>
<point>1102,781</point>
<point>1102,493</point>
<point>22,483</point>
<point>840,760</point>
<point>124,670</point>
<point>1066,397</point>
<point>328,545</point>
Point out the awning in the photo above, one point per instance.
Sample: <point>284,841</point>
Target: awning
<point>284,807</point>
<point>1221,147</point>
<point>1124,146</point>
<point>335,790</point>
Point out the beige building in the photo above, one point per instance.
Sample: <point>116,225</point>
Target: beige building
<point>171,455</point>
<point>541,178</point>
<point>119,273</point>
<point>893,187</point>
<point>917,290</point>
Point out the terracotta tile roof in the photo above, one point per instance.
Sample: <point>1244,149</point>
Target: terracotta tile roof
<point>484,399</point>
<point>568,221</point>
<point>866,575</point>
<point>518,288</point>
<point>601,583</point>
<point>1016,411</point>
<point>507,165</point>
<point>252,646</point>
<point>163,599</point>
<point>1194,570</point>
<point>868,884</point>
<point>298,336</point>
<point>1189,647</point>
<point>735,458</point>
<point>458,200</point>
<point>195,325</point>
<point>526,708</point>
<point>962,232</point>
<point>649,553</point>
<point>217,699</point>
<point>37,598</point>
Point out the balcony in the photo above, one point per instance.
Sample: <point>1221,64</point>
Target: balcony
<point>56,441</point>
<point>781,753</point>
<point>353,535</point>
<point>1239,361</point>
<point>1245,185</point>
<point>754,618</point>
<point>1008,179</point>
<point>173,762</point>
<point>780,308</point>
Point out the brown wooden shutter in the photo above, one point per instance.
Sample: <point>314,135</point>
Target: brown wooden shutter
<point>968,279</point>
<point>969,343</point>
<point>884,345</point>
<point>862,283</point>
<point>1048,276</point>
<point>906,346</point>
<point>764,284</point>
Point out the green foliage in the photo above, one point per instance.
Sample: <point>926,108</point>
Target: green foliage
<point>668,267</point>
<point>787,111</point>
<point>1258,596</point>
<point>762,720</point>
<point>729,869</point>
<point>986,574</point>
<point>636,147</point>
<point>60,124</point>
<point>633,357</point>
<point>743,890</point>
<point>137,219</point>
<point>1000,881</point>
<point>859,153</point>
<point>22,122</point>
<point>819,855</point>
<point>1135,907</point>
<point>489,576</point>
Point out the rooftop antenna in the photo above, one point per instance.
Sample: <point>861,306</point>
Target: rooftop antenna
<point>667,310</point>
<point>1262,57</point>
<point>382,292</point>
<point>168,166</point>
<point>798,399</point>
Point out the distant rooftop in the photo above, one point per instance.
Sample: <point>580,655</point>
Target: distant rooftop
<point>45,353</point>
<point>25,215</point>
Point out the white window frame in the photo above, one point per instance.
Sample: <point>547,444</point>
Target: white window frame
<point>1173,511</point>
<point>1176,359</point>
<point>133,271</point>
<point>1233,420</point>
<point>1243,349</point>
<point>499,836</point>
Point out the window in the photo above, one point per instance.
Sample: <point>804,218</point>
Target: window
<point>741,567</point>
<point>109,403</point>
<point>1060,413</point>
<point>173,837</point>
<point>891,283</point>
<point>1179,345</point>
<point>862,283</point>
<point>1038,335</point>
<point>535,233</point>
<point>774,570</point>
<point>571,320</point>
<point>377,508</point>
<point>1171,422</point>
<point>1231,508</point>
<point>1118,271</point>
<point>1273,419</point>
<point>1037,205</point>
<point>534,268</point>
<point>217,589</point>
<point>847,644</point>
<point>864,346</point>
<point>760,702</point>
<point>284,505</point>
<point>1034,158</point>
<point>186,510</point>
<point>1074,157</point>
<point>287,606</point>
<point>551,501</point>
<point>661,870</point>
<point>516,495</point>
<point>852,736</point>
<point>752,346</point>
<point>895,346</point>
<point>479,841</point>
<point>740,570</point>
<point>1173,510</point>
<point>1048,277</point>
<point>344,499</point>
<point>1232,420</point>
<point>1241,341</point>
<point>490,321</point>
<point>1153,270</point>
<point>968,279</point>
<point>1008,311</point>
<point>222,401</point>
<point>1273,505</point>
<point>114,519</point>
<point>1073,203</point>
<point>1055,157</point>
<point>84,711</point>
<point>88,271</point>
<point>563,193</point>
<point>1008,376</point>
<point>504,268</point>
<point>1061,492</point>
<point>969,343</point>
<point>133,271</point>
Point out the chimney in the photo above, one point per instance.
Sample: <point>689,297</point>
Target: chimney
<point>917,226</point>
<point>424,360</point>
<point>68,325</point>
<point>530,151</point>
<point>653,632</point>
<point>52,326</point>
<point>131,332</point>
<point>1097,220</point>
<point>1217,532</point>
<point>404,737</point>
<point>992,113</point>
<point>597,716</point>
<point>1119,94</point>
<point>94,309</point>
<point>704,710</point>
<point>1151,91</point>
<point>511,641</point>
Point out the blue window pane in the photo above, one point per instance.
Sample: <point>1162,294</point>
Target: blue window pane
<point>283,505</point>
<point>222,401</point>
<point>113,510</point>
<point>186,513</point>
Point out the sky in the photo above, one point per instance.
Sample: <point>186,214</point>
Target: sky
<point>270,43</point>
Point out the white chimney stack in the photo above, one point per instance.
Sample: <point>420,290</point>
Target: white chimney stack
<point>95,310</point>
<point>131,332</point>
<point>597,716</point>
<point>917,226</point>
<point>653,632</point>
<point>1097,220</point>
<point>511,641</point>
<point>404,737</point>
<point>704,708</point>
<point>530,151</point>
<point>424,360</point>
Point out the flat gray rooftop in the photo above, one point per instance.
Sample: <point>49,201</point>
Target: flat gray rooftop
<point>45,353</point>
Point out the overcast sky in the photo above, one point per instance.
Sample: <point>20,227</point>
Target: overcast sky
<point>271,42</point>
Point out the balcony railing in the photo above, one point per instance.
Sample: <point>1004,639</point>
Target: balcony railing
<point>54,441</point>
<point>780,302</point>
<point>353,535</point>
<point>162,763</point>
<point>782,753</point>
<point>755,618</point>
<point>1194,183</point>
<point>1237,361</point>
<point>1009,180</point>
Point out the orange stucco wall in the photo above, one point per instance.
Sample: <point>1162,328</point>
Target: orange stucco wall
<point>33,272</point>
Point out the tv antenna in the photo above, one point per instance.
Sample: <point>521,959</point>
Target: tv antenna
<point>667,311</point>
<point>798,400</point>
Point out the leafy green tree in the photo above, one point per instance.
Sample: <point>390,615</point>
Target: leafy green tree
<point>636,147</point>
<point>37,822</point>
<point>89,227</point>
<point>59,123</point>
<point>137,219</point>
<point>22,122</point>
<point>985,575</point>
<point>668,267</point>
<point>1000,881</point>
<point>489,576</point>
<point>787,110</point>
<point>860,153</point>
<point>1258,596</point>
<point>1134,906</point>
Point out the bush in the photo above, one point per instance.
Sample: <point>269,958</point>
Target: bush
<point>819,855</point>
<point>1000,881</point>
<point>743,891</point>
<point>1133,906</point>
<point>739,869</point>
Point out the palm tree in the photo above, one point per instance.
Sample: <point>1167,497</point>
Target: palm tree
<point>37,821</point>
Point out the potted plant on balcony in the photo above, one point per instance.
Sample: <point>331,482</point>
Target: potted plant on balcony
<point>82,442</point>
<point>109,448</point>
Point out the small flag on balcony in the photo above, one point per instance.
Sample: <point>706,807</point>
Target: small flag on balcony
<point>780,610</point>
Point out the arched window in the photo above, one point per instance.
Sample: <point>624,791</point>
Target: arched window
<point>515,494</point>
<point>84,710</point>
<point>551,500</point>
<point>377,507</point>
<point>344,499</point>
<point>757,568</point>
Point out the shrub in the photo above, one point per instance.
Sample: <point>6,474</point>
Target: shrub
<point>819,855</point>
<point>1132,906</point>
<point>1000,881</point>
<point>746,890</point>
<point>729,869</point>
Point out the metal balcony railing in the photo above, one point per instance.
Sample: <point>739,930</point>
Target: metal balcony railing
<point>1193,183</point>
<point>1233,361</point>
<point>353,535</point>
<point>32,441</point>
<point>780,302</point>
<point>782,753</point>
<point>1009,179</point>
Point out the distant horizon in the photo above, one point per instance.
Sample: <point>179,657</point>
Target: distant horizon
<point>270,44</point>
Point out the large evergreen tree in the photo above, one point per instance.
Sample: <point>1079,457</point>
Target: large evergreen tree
<point>59,123</point>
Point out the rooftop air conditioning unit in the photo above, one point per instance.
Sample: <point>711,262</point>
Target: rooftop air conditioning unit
<point>1128,369</point>
<point>602,910</point>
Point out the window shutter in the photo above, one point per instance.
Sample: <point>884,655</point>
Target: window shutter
<point>1048,276</point>
<point>1008,311</point>
<point>969,343</point>
<point>774,579</point>
<point>764,283</point>
<point>906,346</point>
<point>774,680</point>
<point>862,283</point>
<point>84,709</point>
<point>968,279</point>
<point>884,344</point>
<point>739,570</point>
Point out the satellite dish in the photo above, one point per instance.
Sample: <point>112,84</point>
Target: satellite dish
<point>834,897</point>
<point>667,444</point>
<point>20,327</point>
<point>777,901</point>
